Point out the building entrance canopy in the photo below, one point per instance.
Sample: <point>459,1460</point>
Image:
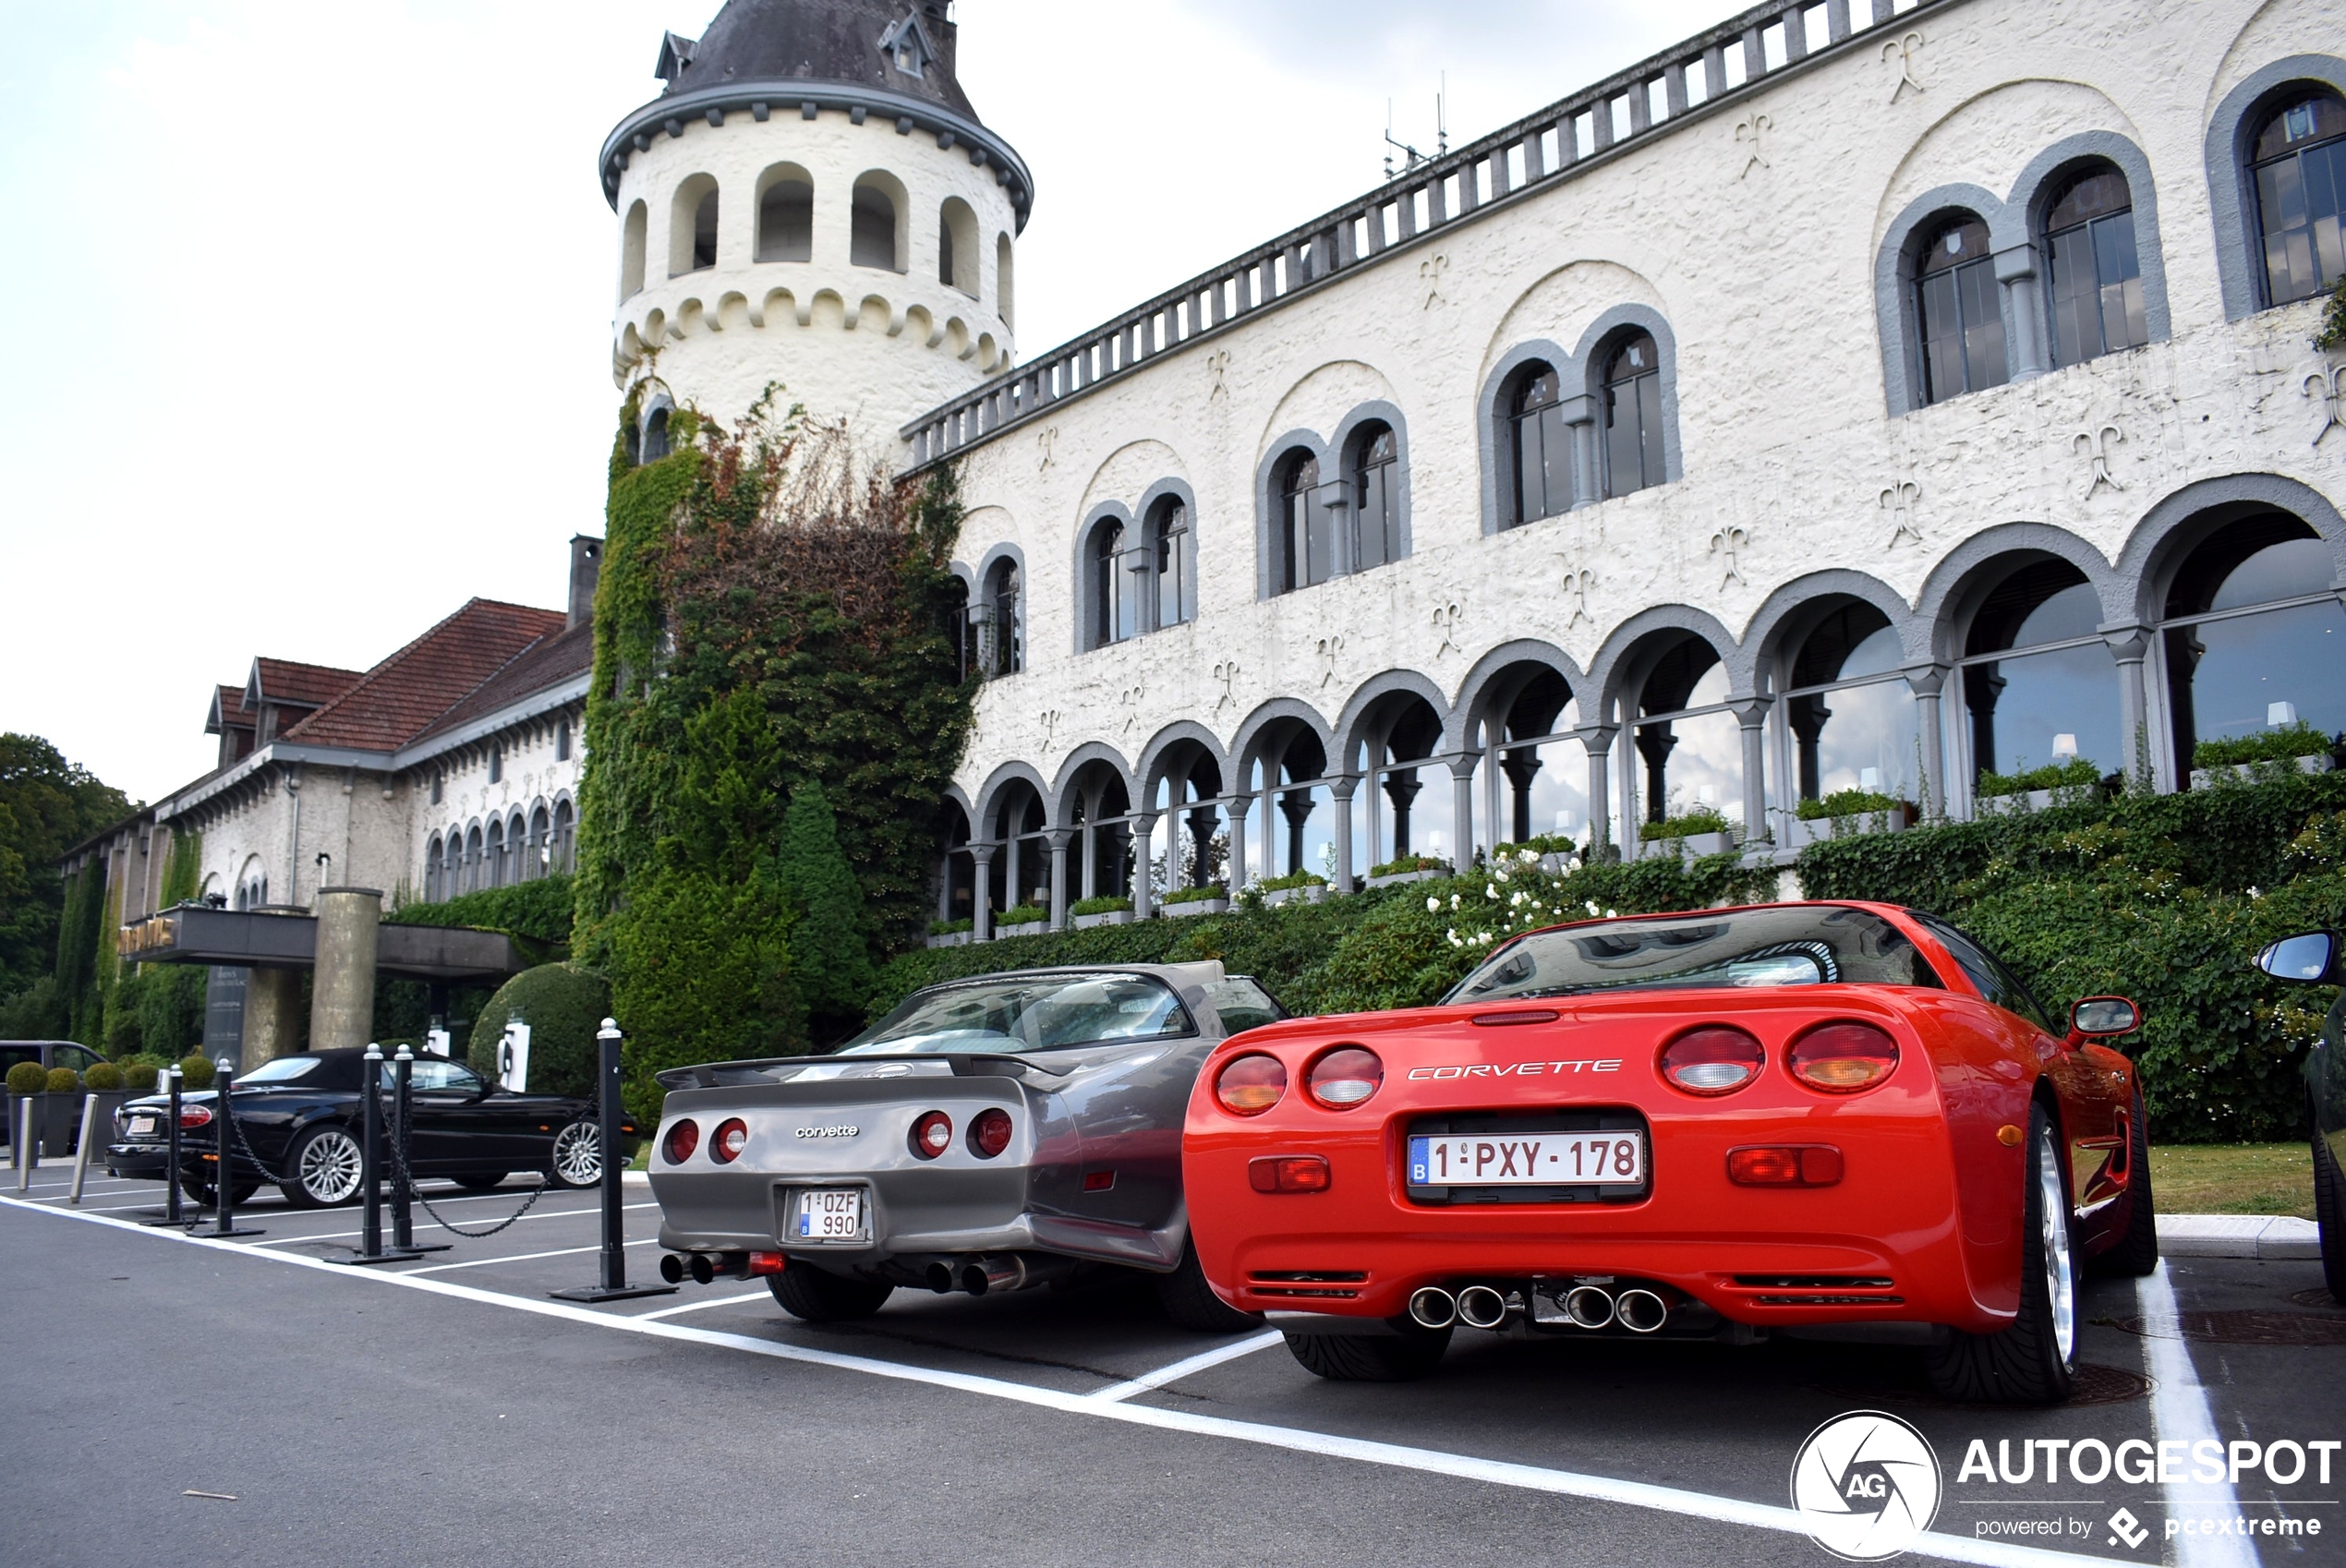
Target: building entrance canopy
<point>196,933</point>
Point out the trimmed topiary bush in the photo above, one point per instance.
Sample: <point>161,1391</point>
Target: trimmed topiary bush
<point>28,1078</point>
<point>103,1079</point>
<point>196,1071</point>
<point>64,1080</point>
<point>564,1005</point>
<point>139,1078</point>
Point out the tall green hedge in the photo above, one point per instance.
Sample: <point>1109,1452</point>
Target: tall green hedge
<point>538,911</point>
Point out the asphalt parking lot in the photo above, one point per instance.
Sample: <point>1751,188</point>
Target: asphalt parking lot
<point>446,1411</point>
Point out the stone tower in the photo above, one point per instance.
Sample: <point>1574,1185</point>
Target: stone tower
<point>812,200</point>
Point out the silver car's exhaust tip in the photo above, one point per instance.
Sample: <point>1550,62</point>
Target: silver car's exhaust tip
<point>980,1275</point>
<point>1432,1308</point>
<point>1588,1306</point>
<point>1641,1311</point>
<point>1479,1307</point>
<point>939,1278</point>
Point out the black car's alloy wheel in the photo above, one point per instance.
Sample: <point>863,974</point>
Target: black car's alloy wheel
<point>1409,1353</point>
<point>578,1159</point>
<point>321,1169</point>
<point>815,1296</point>
<point>2034,1361</point>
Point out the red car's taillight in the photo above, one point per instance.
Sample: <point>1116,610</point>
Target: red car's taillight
<point>195,1115</point>
<point>932,1134</point>
<point>682,1140</point>
<point>733,1136</point>
<point>1815,1164</point>
<point>1841,1058</point>
<point>1288,1173</point>
<point>990,1134</point>
<point>1711,1060</point>
<point>1251,1084</point>
<point>1345,1076</point>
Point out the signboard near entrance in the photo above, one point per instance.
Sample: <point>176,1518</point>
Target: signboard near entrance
<point>512,1057</point>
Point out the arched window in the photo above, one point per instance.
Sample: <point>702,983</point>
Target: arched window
<point>492,866</point>
<point>1307,535</point>
<point>452,871</point>
<point>957,246</point>
<point>439,785</point>
<point>562,740</point>
<point>786,218</point>
<point>1376,497</point>
<point>655,436</point>
<point>542,845</point>
<point>497,762</point>
<point>1957,311</point>
<point>1002,296</point>
<point>1003,643</point>
<point>2255,639</point>
<point>2038,681</point>
<point>692,226</point>
<point>472,861</point>
<point>1117,584</point>
<point>1172,559</point>
<point>565,838</point>
<point>1540,447</point>
<point>2300,168</point>
<point>2097,277</point>
<point>431,870</point>
<point>871,239</point>
<point>1848,717</point>
<point>1633,457</point>
<point>630,251</point>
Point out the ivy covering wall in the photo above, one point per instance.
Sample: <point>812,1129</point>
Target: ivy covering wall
<point>770,616</point>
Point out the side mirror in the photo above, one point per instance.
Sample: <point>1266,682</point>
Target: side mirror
<point>2307,959</point>
<point>2103,1018</point>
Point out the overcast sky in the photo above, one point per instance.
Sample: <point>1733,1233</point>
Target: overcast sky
<point>313,300</point>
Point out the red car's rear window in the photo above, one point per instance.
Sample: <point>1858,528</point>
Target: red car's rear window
<point>1797,945</point>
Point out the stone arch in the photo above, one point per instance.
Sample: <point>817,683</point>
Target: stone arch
<point>1488,686</point>
<point>631,232</point>
<point>1360,718</point>
<point>1894,277</point>
<point>877,207</point>
<point>1950,592</point>
<point>691,243</point>
<point>957,246</point>
<point>1268,518</point>
<point>1494,440</point>
<point>782,215</point>
<point>1164,753</point>
<point>1617,662</point>
<point>1087,611</point>
<point>1791,611</point>
<point>1348,434</point>
<point>2169,530</point>
<point>997,785</point>
<point>1257,731</point>
<point>1090,755</point>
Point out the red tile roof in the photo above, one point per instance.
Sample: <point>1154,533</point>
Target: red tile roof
<point>545,664</point>
<point>228,711</point>
<point>300,685</point>
<point>401,697</point>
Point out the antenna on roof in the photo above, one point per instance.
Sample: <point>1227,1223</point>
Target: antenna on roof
<point>1410,156</point>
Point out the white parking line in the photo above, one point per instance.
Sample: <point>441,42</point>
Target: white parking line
<point>765,1295</point>
<point>1529,1478</point>
<point>519,1258</point>
<point>344,1234</point>
<point>1182,1368</point>
<point>2178,1409</point>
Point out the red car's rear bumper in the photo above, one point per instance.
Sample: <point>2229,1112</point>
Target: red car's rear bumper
<point>1890,1242</point>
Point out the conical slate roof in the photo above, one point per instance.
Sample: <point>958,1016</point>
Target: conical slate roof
<point>824,41</point>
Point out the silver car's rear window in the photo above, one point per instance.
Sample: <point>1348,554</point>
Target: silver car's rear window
<point>1028,1013</point>
<point>1805,944</point>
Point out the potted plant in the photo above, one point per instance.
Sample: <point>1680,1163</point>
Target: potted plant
<point>951,933</point>
<point>1108,908</point>
<point>1022,920</point>
<point>62,1113</point>
<point>2057,784</point>
<point>1702,831</point>
<point>1211,898</point>
<point>1295,887</point>
<point>1845,812</point>
<point>28,1083</point>
<point>2276,751</point>
<point>1408,868</point>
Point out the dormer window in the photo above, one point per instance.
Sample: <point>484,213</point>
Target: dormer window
<point>906,43</point>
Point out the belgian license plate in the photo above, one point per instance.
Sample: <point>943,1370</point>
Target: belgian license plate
<point>142,1127</point>
<point>829,1213</point>
<point>1529,1159</point>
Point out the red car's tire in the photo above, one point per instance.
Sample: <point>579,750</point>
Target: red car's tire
<point>2138,1251</point>
<point>2329,1211</point>
<point>1370,1359</point>
<point>812,1295</point>
<point>2034,1361</point>
<point>1191,1302</point>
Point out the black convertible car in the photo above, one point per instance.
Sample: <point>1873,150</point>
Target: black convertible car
<point>299,1121</point>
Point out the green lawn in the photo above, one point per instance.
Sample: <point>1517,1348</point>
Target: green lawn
<point>2233,1179</point>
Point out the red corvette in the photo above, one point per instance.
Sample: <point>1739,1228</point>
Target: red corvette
<point>1829,1120</point>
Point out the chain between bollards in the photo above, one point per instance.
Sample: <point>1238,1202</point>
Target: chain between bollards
<point>612,1285</point>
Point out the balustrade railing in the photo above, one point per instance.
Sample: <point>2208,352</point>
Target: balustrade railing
<point>1728,61</point>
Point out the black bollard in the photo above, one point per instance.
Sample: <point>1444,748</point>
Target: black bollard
<point>402,1128</point>
<point>613,1285</point>
<point>171,1215</point>
<point>224,1181</point>
<point>371,1117</point>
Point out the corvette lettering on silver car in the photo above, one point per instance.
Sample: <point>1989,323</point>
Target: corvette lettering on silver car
<point>988,1134</point>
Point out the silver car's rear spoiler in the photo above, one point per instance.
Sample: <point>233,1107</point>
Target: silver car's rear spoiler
<point>965,1064</point>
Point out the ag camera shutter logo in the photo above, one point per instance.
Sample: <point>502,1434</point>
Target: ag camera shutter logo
<point>1866,1485</point>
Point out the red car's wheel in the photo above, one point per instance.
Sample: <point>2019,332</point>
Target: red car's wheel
<point>2138,1251</point>
<point>1372,1358</point>
<point>2034,1361</point>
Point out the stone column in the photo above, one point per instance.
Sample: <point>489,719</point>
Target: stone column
<point>1340,789</point>
<point>1925,680</point>
<point>1462,810</point>
<point>1580,418</point>
<point>1241,807</point>
<point>1597,739</point>
<point>982,892</point>
<point>1752,713</point>
<point>1143,841</point>
<point>1202,825</point>
<point>2017,270</point>
<point>1296,806</point>
<point>2129,645</point>
<point>1521,764</point>
<point>342,990</point>
<point>272,1016</point>
<point>1058,838</point>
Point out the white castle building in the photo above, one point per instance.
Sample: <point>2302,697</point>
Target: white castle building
<point>1865,395</point>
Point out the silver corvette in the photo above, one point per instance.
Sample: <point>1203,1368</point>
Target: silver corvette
<point>988,1134</point>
